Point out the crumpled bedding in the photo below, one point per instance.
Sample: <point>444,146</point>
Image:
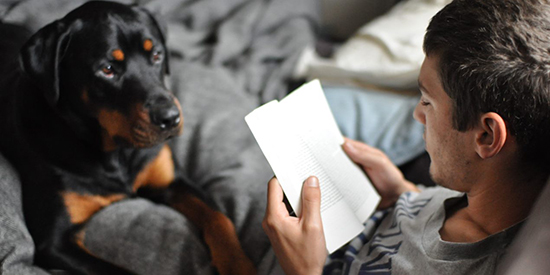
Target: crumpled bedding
<point>385,53</point>
<point>227,57</point>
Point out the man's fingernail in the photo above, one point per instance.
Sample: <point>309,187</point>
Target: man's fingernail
<point>312,182</point>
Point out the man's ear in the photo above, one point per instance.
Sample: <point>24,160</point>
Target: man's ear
<point>491,135</point>
<point>40,57</point>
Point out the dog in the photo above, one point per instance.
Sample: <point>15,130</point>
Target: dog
<point>85,122</point>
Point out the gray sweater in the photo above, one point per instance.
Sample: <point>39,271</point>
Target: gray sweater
<point>405,240</point>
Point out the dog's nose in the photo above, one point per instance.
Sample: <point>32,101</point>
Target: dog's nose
<point>164,114</point>
<point>166,118</point>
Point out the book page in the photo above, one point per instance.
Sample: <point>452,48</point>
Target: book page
<point>292,162</point>
<point>314,124</point>
<point>300,138</point>
<point>279,147</point>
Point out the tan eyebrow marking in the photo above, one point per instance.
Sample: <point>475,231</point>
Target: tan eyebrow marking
<point>148,45</point>
<point>118,55</point>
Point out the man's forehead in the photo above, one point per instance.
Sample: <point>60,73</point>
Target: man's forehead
<point>429,81</point>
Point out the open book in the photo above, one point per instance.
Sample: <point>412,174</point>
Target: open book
<point>300,138</point>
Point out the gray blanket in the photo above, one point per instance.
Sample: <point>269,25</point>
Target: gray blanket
<point>227,56</point>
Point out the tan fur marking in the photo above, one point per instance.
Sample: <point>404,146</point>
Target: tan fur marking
<point>135,127</point>
<point>82,207</point>
<point>219,234</point>
<point>227,254</point>
<point>79,240</point>
<point>85,97</point>
<point>159,173</point>
<point>148,45</point>
<point>108,143</point>
<point>118,55</point>
<point>114,124</point>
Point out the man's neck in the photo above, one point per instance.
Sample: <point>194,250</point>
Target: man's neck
<point>492,206</point>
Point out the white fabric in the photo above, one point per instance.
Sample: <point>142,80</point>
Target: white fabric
<point>386,52</point>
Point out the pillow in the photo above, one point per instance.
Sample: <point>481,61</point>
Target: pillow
<point>16,245</point>
<point>386,52</point>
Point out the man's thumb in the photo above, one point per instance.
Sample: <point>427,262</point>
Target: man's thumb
<point>311,200</point>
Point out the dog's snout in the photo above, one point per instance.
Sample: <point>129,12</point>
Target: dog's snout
<point>164,113</point>
<point>166,118</point>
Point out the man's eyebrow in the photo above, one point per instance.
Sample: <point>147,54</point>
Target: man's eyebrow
<point>422,88</point>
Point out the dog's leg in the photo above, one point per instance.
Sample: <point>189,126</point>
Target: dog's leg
<point>157,182</point>
<point>217,229</point>
<point>219,234</point>
<point>65,249</point>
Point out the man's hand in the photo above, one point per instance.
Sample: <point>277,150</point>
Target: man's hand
<point>385,176</point>
<point>299,243</point>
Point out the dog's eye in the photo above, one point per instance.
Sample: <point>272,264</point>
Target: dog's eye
<point>108,71</point>
<point>157,56</point>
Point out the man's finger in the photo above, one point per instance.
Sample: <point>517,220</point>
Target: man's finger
<point>363,154</point>
<point>274,195</point>
<point>311,201</point>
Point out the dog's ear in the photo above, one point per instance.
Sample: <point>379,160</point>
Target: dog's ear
<point>162,29</point>
<point>40,57</point>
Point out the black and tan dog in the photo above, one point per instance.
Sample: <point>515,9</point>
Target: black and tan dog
<point>85,122</point>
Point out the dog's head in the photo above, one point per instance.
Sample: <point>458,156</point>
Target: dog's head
<point>106,62</point>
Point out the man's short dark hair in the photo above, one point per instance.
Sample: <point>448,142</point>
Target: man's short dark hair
<point>494,56</point>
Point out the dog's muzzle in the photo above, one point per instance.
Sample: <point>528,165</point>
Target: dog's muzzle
<point>164,113</point>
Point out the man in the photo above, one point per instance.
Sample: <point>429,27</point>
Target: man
<point>485,104</point>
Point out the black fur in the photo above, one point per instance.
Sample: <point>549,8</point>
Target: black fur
<point>49,126</point>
